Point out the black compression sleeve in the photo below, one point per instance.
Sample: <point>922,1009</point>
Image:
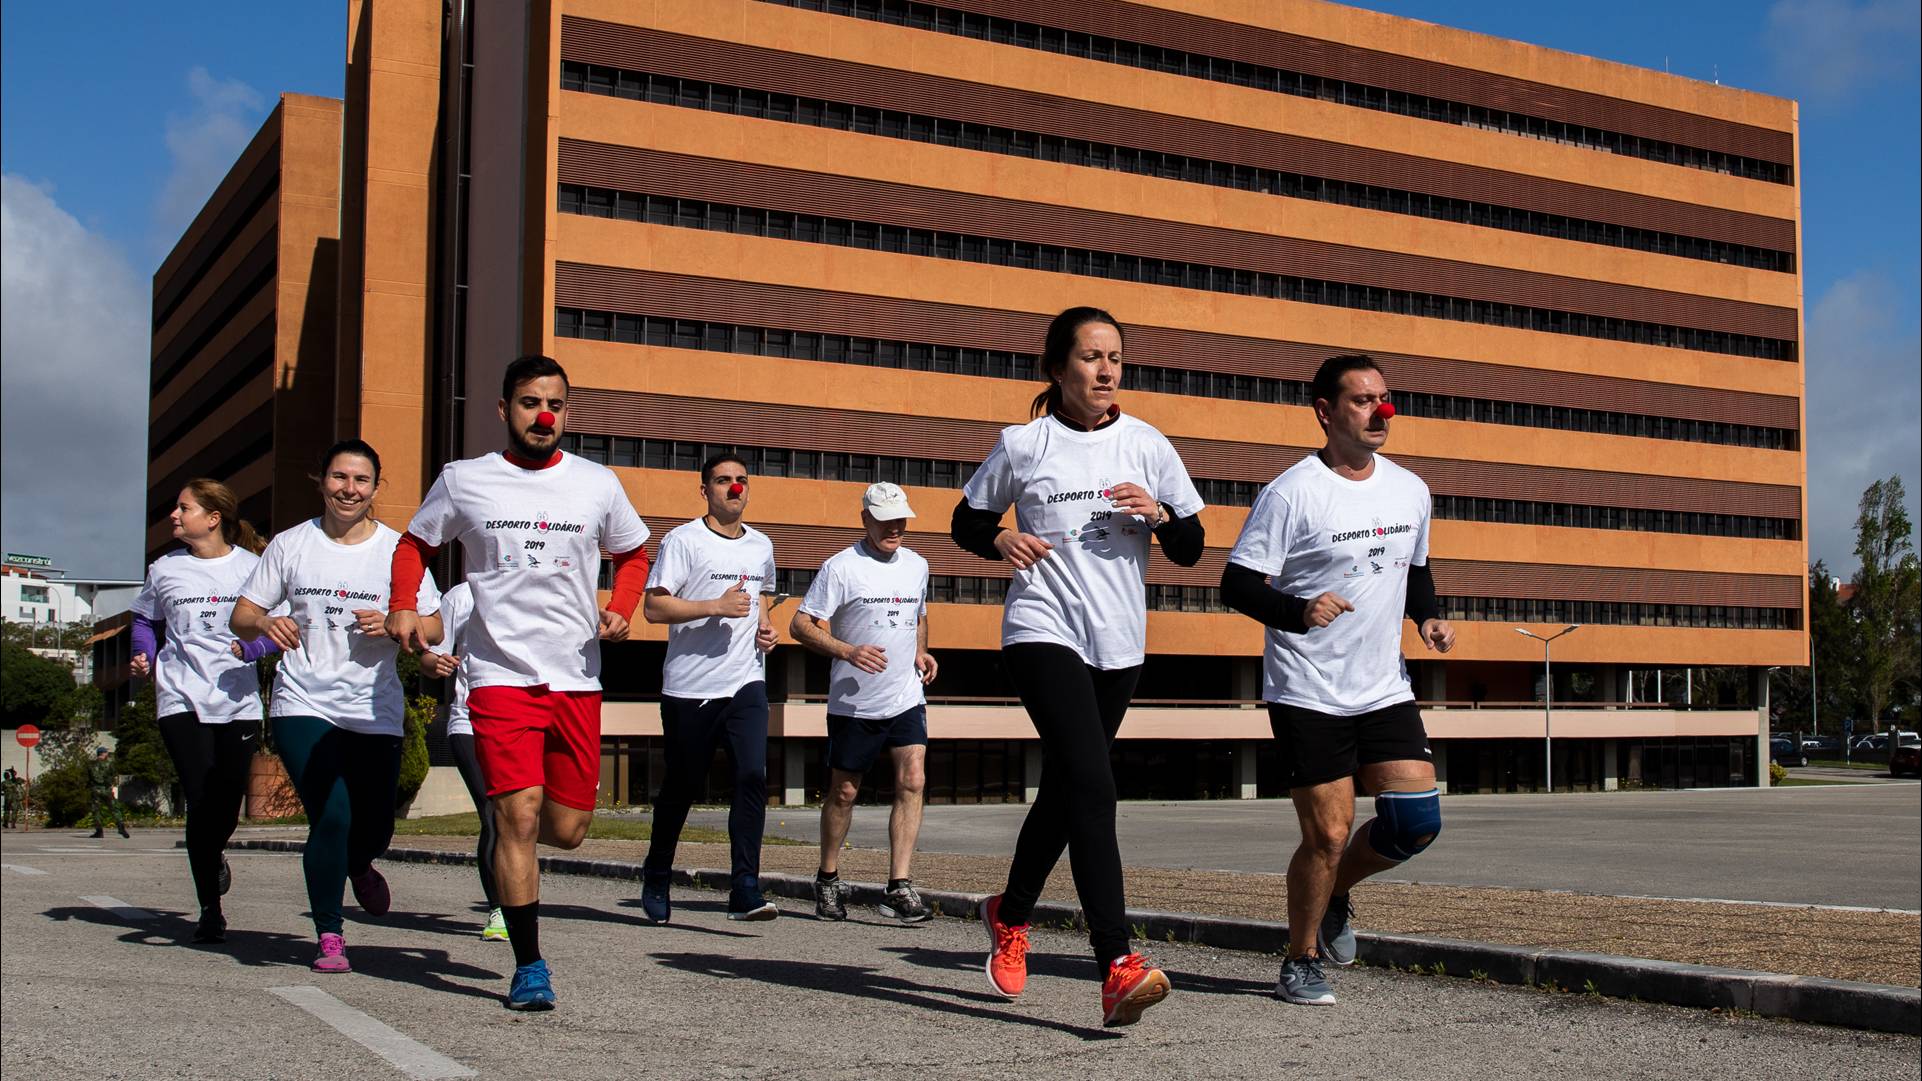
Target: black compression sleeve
<point>1248,592</point>
<point>975,530</point>
<point>1182,539</point>
<point>1421,604</point>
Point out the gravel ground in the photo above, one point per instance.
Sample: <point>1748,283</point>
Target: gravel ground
<point>1874,947</point>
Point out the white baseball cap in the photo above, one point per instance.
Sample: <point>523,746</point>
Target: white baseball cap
<point>886,502</point>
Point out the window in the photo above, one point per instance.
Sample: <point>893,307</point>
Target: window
<point>34,595</point>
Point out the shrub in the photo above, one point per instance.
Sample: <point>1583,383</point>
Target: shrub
<point>1777,774</point>
<point>60,786</point>
<point>413,748</point>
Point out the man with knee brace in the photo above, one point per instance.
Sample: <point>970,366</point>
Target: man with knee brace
<point>1333,555</point>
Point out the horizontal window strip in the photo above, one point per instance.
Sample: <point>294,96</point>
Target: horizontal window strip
<point>1374,80</point>
<point>249,278</point>
<point>619,412</point>
<point>997,364</point>
<point>823,311</point>
<point>782,79</point>
<point>811,463</point>
<point>804,227</point>
<point>689,93</point>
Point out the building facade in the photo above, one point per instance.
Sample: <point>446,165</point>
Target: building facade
<point>243,328</point>
<point>827,234</point>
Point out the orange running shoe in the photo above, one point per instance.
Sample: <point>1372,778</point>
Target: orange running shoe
<point>1132,986</point>
<point>1007,964</point>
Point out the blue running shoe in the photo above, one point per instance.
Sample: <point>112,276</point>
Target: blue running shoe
<point>532,989</point>
<point>654,897</point>
<point>746,902</point>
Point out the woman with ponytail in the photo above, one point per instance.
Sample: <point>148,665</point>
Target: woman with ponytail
<point>206,688</point>
<point>1089,486</point>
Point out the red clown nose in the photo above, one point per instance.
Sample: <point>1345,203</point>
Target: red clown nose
<point>734,490</point>
<point>545,419</point>
<point>1385,410</point>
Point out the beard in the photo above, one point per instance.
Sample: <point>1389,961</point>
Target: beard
<point>519,443</point>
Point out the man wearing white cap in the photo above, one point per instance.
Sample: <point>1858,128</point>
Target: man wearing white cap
<point>867,609</point>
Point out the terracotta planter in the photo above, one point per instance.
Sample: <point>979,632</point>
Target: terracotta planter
<point>270,792</point>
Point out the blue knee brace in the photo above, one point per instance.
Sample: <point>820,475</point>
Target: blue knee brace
<point>1405,823</point>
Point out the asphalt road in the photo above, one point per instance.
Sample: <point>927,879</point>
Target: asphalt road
<point>1833,845</point>
<point>95,983</point>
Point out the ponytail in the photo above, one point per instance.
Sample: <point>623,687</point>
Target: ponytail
<point>1056,348</point>
<point>235,530</point>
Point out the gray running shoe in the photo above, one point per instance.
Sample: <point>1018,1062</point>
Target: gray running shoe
<point>1303,983</point>
<point>1338,931</point>
<point>830,899</point>
<point>902,903</point>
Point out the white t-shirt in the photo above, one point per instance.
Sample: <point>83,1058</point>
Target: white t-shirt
<point>869,601</point>
<point>531,541</point>
<point>338,674</point>
<point>716,656</point>
<point>1090,593</point>
<point>455,606</point>
<point>1313,532</point>
<point>196,671</point>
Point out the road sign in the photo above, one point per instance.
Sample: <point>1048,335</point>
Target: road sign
<point>28,736</point>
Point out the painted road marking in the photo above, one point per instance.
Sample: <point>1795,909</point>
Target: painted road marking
<point>120,908</point>
<point>22,869</point>
<point>402,1052</point>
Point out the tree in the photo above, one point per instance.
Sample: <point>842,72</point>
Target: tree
<point>32,688</point>
<point>139,752</point>
<point>1888,597</point>
<point>48,635</point>
<point>1832,641</point>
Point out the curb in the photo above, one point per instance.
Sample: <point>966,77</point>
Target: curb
<point>1812,999</point>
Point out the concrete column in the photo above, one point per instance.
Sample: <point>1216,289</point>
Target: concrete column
<point>1030,770</point>
<point>794,670</point>
<point>1611,779</point>
<point>1761,676</point>
<point>1245,769</point>
<point>1431,682</point>
<point>1440,753</point>
<point>794,791</point>
<point>1247,677</point>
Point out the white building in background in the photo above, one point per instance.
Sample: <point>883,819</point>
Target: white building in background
<point>37,594</point>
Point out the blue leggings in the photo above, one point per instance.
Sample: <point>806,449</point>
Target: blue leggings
<point>347,782</point>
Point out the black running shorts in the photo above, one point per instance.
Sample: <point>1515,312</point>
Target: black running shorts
<point>855,742</point>
<point>1318,747</point>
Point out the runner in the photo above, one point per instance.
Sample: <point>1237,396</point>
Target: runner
<point>706,578</point>
<point>1343,534</point>
<point>873,597</point>
<point>103,794</point>
<point>338,707</point>
<point>456,605</point>
<point>532,522</point>
<point>206,693</point>
<point>1088,484</point>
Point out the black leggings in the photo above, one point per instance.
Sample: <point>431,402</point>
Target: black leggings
<point>462,744</point>
<point>1076,710</point>
<point>214,762</point>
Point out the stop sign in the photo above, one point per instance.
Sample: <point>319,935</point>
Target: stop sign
<point>28,735</point>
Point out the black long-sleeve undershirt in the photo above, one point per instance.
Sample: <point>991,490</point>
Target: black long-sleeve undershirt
<point>1182,537</point>
<point>1247,591</point>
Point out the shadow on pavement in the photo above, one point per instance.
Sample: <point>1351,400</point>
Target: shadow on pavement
<point>432,970</point>
<point>1076,968</point>
<point>861,982</point>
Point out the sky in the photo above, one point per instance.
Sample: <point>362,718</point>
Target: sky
<point>103,163</point>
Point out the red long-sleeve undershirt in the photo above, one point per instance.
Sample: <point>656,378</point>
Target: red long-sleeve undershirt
<point>412,555</point>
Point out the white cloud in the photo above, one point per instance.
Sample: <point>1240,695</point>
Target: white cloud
<point>73,376</point>
<point>1830,49</point>
<point>203,144</point>
<point>1862,407</point>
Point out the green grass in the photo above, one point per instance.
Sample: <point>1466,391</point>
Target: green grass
<point>1807,782</point>
<point>603,828</point>
<point>1837,763</point>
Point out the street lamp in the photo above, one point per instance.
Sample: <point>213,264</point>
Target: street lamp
<point>1548,701</point>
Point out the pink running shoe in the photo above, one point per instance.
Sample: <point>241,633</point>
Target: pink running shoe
<point>370,892</point>
<point>333,954</point>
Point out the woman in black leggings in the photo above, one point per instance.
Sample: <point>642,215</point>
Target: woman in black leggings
<point>456,608</point>
<point>1089,485</point>
<point>206,689</point>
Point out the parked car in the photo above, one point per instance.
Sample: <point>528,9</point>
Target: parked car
<point>1873,742</point>
<point>1906,759</point>
<point>1822,746</point>
<point>1787,753</point>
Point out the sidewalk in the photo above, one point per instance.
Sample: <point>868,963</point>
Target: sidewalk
<point>1866,946</point>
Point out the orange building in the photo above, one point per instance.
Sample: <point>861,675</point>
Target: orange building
<point>828,233</point>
